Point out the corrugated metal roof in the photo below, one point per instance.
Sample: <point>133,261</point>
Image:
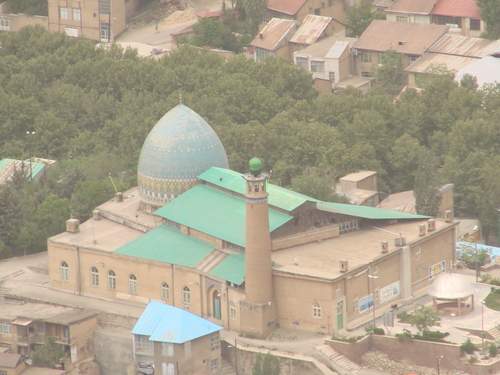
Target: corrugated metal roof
<point>338,49</point>
<point>166,323</point>
<point>215,213</point>
<point>166,244</point>
<point>465,46</point>
<point>366,212</point>
<point>323,48</point>
<point>231,269</point>
<point>10,360</point>
<point>457,8</point>
<point>20,321</point>
<point>403,37</point>
<point>290,7</point>
<point>279,197</point>
<point>274,34</point>
<point>8,166</point>
<point>311,29</point>
<point>422,7</point>
<point>486,70</point>
<point>429,60</point>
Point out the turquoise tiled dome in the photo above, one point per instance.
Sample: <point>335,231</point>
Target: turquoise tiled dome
<point>180,147</point>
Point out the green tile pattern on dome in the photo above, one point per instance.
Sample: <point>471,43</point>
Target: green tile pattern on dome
<point>166,244</point>
<point>215,213</point>
<point>181,146</point>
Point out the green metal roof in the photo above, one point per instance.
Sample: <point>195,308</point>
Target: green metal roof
<point>279,197</point>
<point>166,244</point>
<point>231,269</point>
<point>7,168</point>
<point>215,213</point>
<point>366,212</point>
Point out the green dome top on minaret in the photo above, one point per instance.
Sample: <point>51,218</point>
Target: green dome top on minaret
<point>255,164</point>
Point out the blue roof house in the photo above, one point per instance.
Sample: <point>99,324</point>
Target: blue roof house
<point>172,341</point>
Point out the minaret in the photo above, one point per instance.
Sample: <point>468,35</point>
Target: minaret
<point>258,267</point>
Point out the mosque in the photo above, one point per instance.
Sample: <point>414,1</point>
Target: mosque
<point>241,252</point>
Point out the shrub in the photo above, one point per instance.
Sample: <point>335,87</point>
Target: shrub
<point>472,359</point>
<point>375,330</point>
<point>468,347</point>
<point>492,350</point>
<point>404,336</point>
<point>486,278</point>
<point>435,334</point>
<point>404,317</point>
<point>495,281</point>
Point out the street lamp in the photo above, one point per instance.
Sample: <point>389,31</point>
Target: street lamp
<point>28,133</point>
<point>439,362</point>
<point>475,229</point>
<point>482,326</point>
<point>373,288</point>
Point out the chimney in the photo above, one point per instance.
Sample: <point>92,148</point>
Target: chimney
<point>73,225</point>
<point>96,214</point>
<point>119,196</point>
<point>343,265</point>
<point>448,216</point>
<point>421,229</point>
<point>431,225</point>
<point>385,246</point>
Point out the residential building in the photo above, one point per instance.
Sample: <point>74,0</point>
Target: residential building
<point>452,52</point>
<point>312,29</point>
<point>175,341</point>
<point>486,70</point>
<point>360,188</point>
<point>418,11</point>
<point>409,39</point>
<point>24,326</point>
<point>240,252</point>
<point>12,364</point>
<point>299,9</point>
<point>100,20</point>
<point>272,40</point>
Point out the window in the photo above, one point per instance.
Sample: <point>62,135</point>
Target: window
<point>187,347</point>
<point>63,13</point>
<point>232,310</point>
<point>214,341</point>
<point>167,368</point>
<point>132,284</point>
<point>66,331</point>
<point>94,276</point>
<point>322,5</point>
<point>142,342</point>
<point>2,372</point>
<point>331,76</point>
<point>366,74</point>
<point>104,7</point>
<point>337,290</point>
<point>5,328</point>
<point>40,327</point>
<point>111,279</point>
<point>317,11</point>
<point>366,57</point>
<point>64,271</point>
<point>413,58</point>
<point>374,271</point>
<point>419,272</point>
<point>316,310</point>
<point>475,24</point>
<point>215,366</point>
<point>167,349</point>
<point>317,66</point>
<point>77,14</point>
<point>355,303</point>
<point>348,226</point>
<point>165,291</point>
<point>418,253</point>
<point>401,19</point>
<point>105,31</point>
<point>186,295</point>
<point>303,62</point>
<point>421,19</point>
<point>261,54</point>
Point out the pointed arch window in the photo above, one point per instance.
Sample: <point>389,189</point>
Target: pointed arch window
<point>111,280</point>
<point>132,284</point>
<point>165,291</point>
<point>355,303</point>
<point>94,276</point>
<point>64,271</point>
<point>186,295</point>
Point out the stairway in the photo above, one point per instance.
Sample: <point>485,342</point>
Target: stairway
<point>495,332</point>
<point>337,359</point>
<point>3,292</point>
<point>227,368</point>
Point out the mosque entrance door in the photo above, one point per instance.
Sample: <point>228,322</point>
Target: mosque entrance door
<point>340,314</point>
<point>216,303</point>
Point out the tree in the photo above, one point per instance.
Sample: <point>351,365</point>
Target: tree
<point>212,33</point>
<point>269,365</point>
<point>254,13</point>
<point>424,317</point>
<point>29,7</point>
<point>390,73</point>
<point>47,355</point>
<point>490,13</point>
<point>427,184</point>
<point>359,18</point>
<point>470,254</point>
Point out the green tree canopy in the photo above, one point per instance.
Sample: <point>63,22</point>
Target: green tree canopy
<point>424,317</point>
<point>490,13</point>
<point>212,33</point>
<point>359,17</point>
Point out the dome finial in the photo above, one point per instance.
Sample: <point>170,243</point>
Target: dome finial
<point>180,98</point>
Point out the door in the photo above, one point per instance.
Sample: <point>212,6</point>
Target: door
<point>340,314</point>
<point>216,300</point>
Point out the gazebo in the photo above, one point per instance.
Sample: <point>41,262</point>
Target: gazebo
<point>452,294</point>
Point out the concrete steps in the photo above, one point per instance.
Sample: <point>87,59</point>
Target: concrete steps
<point>495,332</point>
<point>3,292</point>
<point>227,368</point>
<point>337,359</point>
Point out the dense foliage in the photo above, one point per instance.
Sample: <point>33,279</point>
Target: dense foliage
<point>490,13</point>
<point>29,7</point>
<point>91,110</point>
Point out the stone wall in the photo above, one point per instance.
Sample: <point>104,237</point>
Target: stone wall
<point>113,350</point>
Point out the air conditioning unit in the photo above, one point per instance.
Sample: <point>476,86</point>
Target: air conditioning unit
<point>343,265</point>
<point>385,246</point>
<point>73,225</point>
<point>431,225</point>
<point>448,216</point>
<point>421,230</point>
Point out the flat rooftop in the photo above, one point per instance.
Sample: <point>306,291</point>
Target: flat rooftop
<point>32,311</point>
<point>322,259</point>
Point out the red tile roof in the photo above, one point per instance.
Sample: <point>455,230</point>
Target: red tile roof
<point>290,7</point>
<point>457,8</point>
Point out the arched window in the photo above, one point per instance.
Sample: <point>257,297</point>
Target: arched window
<point>316,310</point>
<point>232,310</point>
<point>337,290</point>
<point>132,284</point>
<point>94,276</point>
<point>418,253</point>
<point>419,272</point>
<point>355,303</point>
<point>64,271</point>
<point>374,271</point>
<point>186,295</point>
<point>111,280</point>
<point>165,291</point>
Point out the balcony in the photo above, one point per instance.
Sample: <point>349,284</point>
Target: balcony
<point>23,340</point>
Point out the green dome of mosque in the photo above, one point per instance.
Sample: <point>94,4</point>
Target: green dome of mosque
<point>180,147</point>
